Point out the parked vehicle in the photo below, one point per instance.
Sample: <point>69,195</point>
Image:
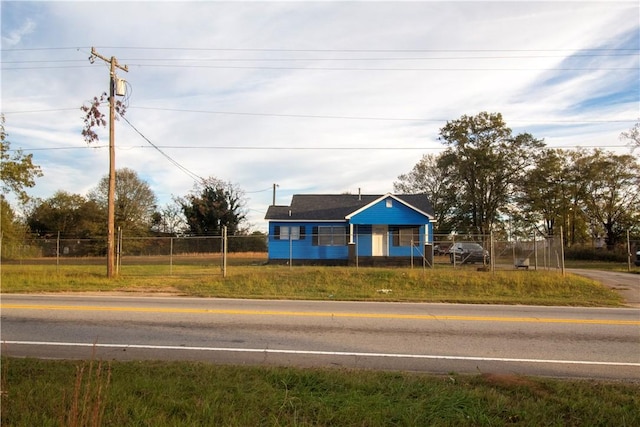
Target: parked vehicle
<point>468,252</point>
<point>638,258</point>
<point>441,248</point>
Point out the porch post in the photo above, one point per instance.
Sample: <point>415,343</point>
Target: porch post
<point>352,248</point>
<point>428,247</point>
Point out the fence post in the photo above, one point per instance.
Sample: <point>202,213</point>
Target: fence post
<point>492,253</point>
<point>224,252</point>
<point>453,254</point>
<point>171,256</point>
<point>412,254</point>
<point>628,252</point>
<point>58,253</point>
<point>562,251</point>
<point>119,251</point>
<point>535,250</point>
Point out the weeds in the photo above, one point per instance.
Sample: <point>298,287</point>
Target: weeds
<point>321,283</point>
<point>88,401</point>
<point>182,393</point>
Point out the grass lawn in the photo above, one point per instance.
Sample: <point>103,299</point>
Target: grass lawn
<point>441,284</point>
<point>46,392</point>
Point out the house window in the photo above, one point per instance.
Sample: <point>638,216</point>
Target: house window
<point>389,203</point>
<point>331,235</point>
<point>289,233</point>
<point>406,236</point>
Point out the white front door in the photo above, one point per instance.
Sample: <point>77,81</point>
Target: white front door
<point>379,240</point>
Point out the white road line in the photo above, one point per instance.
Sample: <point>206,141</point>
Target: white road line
<point>322,353</point>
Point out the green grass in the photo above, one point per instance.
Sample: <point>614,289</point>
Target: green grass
<point>43,393</point>
<point>463,285</point>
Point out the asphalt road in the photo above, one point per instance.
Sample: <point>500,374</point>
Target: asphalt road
<point>440,338</point>
<point>626,284</point>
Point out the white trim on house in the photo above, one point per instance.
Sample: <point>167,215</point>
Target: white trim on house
<point>288,219</point>
<point>379,199</point>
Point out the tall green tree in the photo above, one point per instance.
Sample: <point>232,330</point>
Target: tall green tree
<point>486,162</point>
<point>430,178</point>
<point>17,171</point>
<point>13,232</point>
<point>212,204</point>
<point>135,202</point>
<point>541,190</point>
<point>71,215</point>
<point>612,192</point>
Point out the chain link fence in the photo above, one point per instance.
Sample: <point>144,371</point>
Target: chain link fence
<point>213,254</point>
<point>135,255</point>
<point>536,252</point>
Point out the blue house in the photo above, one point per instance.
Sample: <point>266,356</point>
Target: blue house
<point>348,229</point>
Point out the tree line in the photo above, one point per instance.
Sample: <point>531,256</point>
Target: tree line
<point>211,205</point>
<point>486,180</point>
<point>490,180</point>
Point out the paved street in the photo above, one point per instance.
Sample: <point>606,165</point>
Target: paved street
<point>440,338</point>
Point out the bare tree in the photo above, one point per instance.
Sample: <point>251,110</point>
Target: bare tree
<point>633,136</point>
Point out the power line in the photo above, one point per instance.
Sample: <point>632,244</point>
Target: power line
<point>198,49</point>
<point>192,175</point>
<point>310,116</point>
<point>387,69</point>
<point>422,58</point>
<point>332,117</point>
<point>274,148</point>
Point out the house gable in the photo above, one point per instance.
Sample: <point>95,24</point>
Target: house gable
<point>388,209</point>
<point>342,207</point>
<point>341,228</point>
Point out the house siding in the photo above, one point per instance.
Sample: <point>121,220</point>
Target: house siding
<point>389,211</point>
<point>397,214</point>
<point>304,248</point>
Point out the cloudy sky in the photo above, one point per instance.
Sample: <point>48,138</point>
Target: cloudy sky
<point>316,97</point>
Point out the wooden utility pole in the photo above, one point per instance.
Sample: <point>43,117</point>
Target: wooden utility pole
<point>111,211</point>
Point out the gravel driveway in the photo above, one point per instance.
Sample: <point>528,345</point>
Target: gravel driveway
<point>626,284</point>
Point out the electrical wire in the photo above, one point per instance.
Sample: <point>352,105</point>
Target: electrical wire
<point>277,148</point>
<point>231,67</point>
<point>517,54</point>
<point>192,175</point>
<point>317,116</point>
<point>198,49</point>
<point>422,58</point>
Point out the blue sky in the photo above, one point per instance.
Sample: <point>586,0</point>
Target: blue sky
<point>317,97</point>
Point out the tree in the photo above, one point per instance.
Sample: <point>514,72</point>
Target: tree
<point>17,172</point>
<point>169,220</point>
<point>93,117</point>
<point>612,192</point>
<point>428,177</point>
<point>13,232</point>
<point>540,191</point>
<point>485,161</point>
<point>135,202</point>
<point>633,136</point>
<point>212,204</point>
<point>71,215</point>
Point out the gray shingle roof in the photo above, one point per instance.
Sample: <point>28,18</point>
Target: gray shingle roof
<point>331,207</point>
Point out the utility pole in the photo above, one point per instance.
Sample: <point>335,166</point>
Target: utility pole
<point>274,194</point>
<point>111,229</point>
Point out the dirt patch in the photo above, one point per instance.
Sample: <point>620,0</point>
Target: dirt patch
<point>511,382</point>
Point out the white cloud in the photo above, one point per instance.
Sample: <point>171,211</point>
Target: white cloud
<point>13,37</point>
<point>295,75</point>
